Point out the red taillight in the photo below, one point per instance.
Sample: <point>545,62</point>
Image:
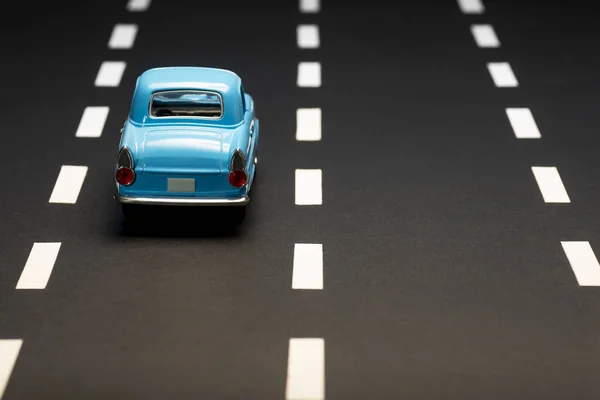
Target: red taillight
<point>237,178</point>
<point>125,176</point>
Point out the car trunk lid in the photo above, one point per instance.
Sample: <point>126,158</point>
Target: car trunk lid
<point>182,151</point>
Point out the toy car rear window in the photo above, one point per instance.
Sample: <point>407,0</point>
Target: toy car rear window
<point>186,103</point>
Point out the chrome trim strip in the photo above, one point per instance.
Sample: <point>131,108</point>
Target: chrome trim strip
<point>240,201</point>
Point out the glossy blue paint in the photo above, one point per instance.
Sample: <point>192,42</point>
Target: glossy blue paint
<point>189,147</point>
<point>224,82</point>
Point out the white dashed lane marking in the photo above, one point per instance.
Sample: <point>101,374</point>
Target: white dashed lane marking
<point>309,74</point>
<point>551,186</point>
<point>9,352</point>
<point>138,5</point>
<point>310,6</point>
<point>308,266</point>
<point>522,123</point>
<point>309,187</point>
<point>308,36</point>
<point>306,369</point>
<point>485,36</point>
<point>123,36</point>
<point>584,262</point>
<point>308,124</point>
<point>110,73</point>
<point>39,266</point>
<point>92,122</point>
<point>68,184</point>
<point>502,74</point>
<point>471,6</point>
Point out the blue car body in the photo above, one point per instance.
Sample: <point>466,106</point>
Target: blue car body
<point>190,130</point>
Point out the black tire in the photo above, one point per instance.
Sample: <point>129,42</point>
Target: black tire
<point>130,213</point>
<point>127,209</point>
<point>238,214</point>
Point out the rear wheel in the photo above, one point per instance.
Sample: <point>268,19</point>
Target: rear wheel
<point>238,214</point>
<point>130,213</point>
<point>127,209</point>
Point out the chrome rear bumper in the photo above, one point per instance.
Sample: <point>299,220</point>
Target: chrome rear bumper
<point>170,201</point>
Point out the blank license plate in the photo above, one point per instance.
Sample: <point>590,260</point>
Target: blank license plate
<point>181,185</point>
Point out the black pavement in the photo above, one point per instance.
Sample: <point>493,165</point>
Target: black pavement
<point>444,276</point>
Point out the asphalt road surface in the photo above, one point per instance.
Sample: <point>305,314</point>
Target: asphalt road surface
<point>451,267</point>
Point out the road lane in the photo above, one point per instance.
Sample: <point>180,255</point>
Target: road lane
<point>558,71</point>
<point>444,271</point>
<point>175,309</point>
<point>49,76</point>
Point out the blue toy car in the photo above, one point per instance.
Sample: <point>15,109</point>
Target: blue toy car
<point>191,139</point>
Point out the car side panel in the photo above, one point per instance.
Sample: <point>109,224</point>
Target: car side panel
<point>249,102</point>
<point>253,153</point>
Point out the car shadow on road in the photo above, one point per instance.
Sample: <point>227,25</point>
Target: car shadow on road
<point>180,222</point>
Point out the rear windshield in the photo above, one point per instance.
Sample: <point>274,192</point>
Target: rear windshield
<point>186,103</point>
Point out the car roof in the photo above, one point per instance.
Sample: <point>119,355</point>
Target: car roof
<point>226,83</point>
<point>165,78</point>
